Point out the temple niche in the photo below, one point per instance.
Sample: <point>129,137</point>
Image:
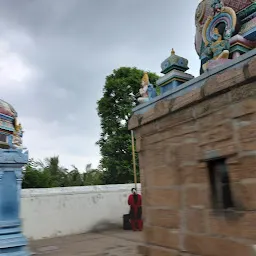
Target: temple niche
<point>225,30</point>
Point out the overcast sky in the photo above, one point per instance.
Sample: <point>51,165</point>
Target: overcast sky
<point>55,55</point>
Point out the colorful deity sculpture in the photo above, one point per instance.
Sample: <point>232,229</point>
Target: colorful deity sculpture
<point>217,46</point>
<point>217,6</point>
<point>217,52</point>
<point>17,136</point>
<point>147,90</point>
<point>224,26</point>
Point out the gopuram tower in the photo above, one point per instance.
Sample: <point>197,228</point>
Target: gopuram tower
<point>12,158</point>
<point>196,142</point>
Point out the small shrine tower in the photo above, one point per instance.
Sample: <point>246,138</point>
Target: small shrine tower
<point>12,158</point>
<point>173,68</point>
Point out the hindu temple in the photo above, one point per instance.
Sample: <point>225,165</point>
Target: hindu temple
<point>196,141</point>
<point>12,158</point>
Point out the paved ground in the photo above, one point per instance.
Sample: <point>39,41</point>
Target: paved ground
<point>111,243</point>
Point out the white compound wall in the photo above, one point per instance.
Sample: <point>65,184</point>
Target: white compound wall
<point>47,213</point>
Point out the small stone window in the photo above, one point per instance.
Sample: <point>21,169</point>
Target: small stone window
<point>221,195</point>
<point>3,138</point>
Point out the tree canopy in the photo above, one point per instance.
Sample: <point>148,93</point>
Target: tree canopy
<point>114,110</point>
<point>49,173</point>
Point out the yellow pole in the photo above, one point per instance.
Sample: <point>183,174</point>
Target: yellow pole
<point>134,160</point>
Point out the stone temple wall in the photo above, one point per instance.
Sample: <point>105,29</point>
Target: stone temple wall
<point>197,157</point>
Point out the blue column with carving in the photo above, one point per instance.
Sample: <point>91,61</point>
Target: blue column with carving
<point>12,241</point>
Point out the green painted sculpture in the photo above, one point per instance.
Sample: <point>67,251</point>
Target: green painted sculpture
<point>218,49</point>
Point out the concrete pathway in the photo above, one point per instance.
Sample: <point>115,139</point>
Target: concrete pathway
<point>110,243</point>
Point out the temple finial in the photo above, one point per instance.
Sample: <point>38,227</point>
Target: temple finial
<point>172,52</point>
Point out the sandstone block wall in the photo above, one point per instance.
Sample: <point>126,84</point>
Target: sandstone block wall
<point>176,140</point>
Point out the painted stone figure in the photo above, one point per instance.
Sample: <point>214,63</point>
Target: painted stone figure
<point>218,50</point>
<point>17,135</point>
<point>217,6</point>
<point>217,31</point>
<point>219,47</point>
<point>147,90</point>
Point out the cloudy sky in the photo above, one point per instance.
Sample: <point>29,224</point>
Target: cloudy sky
<point>55,55</point>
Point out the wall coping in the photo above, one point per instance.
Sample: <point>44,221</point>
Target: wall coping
<point>238,72</point>
<point>194,83</point>
<point>77,190</point>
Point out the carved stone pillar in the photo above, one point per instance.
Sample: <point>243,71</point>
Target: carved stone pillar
<point>12,241</point>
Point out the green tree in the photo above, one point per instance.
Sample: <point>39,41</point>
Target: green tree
<point>75,178</point>
<point>93,177</point>
<point>45,174</point>
<point>34,177</point>
<point>114,110</point>
<point>51,167</point>
<point>48,174</point>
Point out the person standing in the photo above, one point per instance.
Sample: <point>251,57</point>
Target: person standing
<point>135,202</point>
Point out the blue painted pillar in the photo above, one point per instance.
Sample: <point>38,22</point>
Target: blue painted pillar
<point>12,241</point>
